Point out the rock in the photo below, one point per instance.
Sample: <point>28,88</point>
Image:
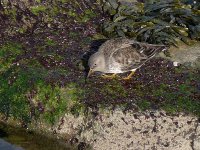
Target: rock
<point>188,55</point>
<point>159,131</point>
<point>197,139</point>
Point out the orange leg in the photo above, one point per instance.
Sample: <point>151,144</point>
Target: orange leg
<point>129,76</point>
<point>109,76</point>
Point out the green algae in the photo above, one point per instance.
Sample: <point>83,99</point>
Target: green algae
<point>114,90</point>
<point>144,105</point>
<point>87,15</point>
<point>73,95</point>
<point>50,105</point>
<point>19,79</point>
<point>49,102</point>
<point>13,90</point>
<point>60,101</point>
<point>50,42</point>
<point>38,9</point>
<point>180,100</point>
<point>8,54</point>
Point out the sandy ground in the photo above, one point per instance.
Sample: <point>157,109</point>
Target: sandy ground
<point>151,130</point>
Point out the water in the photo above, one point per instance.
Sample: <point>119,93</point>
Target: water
<point>19,139</point>
<point>8,146</point>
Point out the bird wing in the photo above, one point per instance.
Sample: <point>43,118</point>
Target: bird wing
<point>148,50</point>
<point>110,46</point>
<point>127,58</point>
<point>134,54</point>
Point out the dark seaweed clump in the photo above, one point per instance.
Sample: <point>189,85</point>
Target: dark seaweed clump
<point>154,21</point>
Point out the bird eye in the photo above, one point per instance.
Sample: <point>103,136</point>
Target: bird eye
<point>95,64</point>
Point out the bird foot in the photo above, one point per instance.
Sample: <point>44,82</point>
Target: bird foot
<point>109,76</point>
<point>126,78</point>
<point>129,76</point>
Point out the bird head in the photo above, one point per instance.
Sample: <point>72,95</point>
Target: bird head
<point>96,62</point>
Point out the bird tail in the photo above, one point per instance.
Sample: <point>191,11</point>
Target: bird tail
<point>155,50</point>
<point>149,49</point>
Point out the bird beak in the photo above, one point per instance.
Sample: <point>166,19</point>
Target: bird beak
<point>89,73</point>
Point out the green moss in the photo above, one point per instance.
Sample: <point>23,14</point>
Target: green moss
<point>161,90</point>
<point>21,30</point>
<point>38,1</point>
<point>73,95</point>
<point>38,9</point>
<point>17,82</point>
<point>179,101</point>
<point>8,53</point>
<point>170,108</point>
<point>72,13</point>
<point>87,15</point>
<point>144,104</point>
<point>50,42</point>
<point>182,104</point>
<point>55,101</point>
<point>11,13</point>
<point>83,17</point>
<point>24,77</point>
<point>114,90</point>
<point>50,105</point>
<point>98,36</point>
<point>55,10</point>
<point>64,1</point>
<point>14,87</point>
<point>73,34</point>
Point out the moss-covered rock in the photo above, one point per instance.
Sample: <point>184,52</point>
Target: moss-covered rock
<point>42,76</point>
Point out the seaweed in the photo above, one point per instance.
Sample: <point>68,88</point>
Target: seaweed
<point>154,21</point>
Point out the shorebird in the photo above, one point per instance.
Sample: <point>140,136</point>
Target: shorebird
<point>121,55</point>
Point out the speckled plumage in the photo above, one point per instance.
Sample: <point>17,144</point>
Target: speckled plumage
<point>122,55</point>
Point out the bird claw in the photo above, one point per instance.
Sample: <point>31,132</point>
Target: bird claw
<point>126,78</point>
<point>109,76</point>
<point>129,76</point>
